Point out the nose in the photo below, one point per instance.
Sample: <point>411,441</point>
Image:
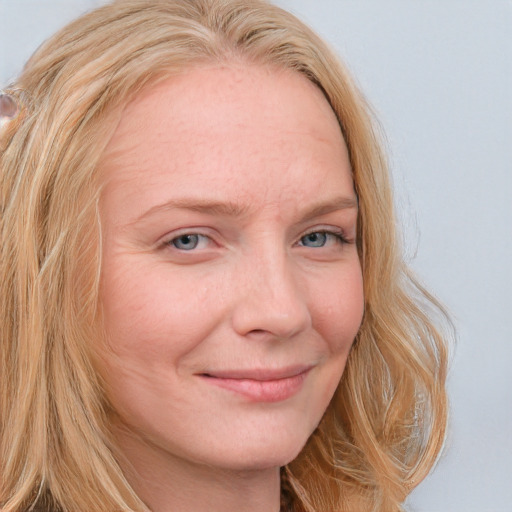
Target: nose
<point>270,299</point>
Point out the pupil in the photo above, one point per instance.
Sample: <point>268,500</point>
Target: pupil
<point>186,242</point>
<point>315,239</point>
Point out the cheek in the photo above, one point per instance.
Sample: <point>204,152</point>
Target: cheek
<point>338,310</point>
<point>338,314</point>
<point>145,307</point>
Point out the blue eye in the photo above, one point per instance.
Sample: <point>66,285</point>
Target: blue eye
<point>186,242</point>
<point>317,239</point>
<point>321,239</point>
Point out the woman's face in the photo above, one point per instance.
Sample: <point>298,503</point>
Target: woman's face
<point>231,286</point>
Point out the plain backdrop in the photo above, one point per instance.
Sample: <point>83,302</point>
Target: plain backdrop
<point>439,75</point>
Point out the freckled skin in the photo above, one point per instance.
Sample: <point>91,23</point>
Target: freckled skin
<point>252,295</point>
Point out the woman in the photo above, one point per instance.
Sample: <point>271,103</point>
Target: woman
<point>205,303</point>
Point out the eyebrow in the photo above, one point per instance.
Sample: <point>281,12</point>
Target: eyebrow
<point>334,205</point>
<point>234,209</point>
<point>208,207</point>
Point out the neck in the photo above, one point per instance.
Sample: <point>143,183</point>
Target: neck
<point>167,483</point>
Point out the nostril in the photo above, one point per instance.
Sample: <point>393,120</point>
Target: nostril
<point>258,331</point>
<point>274,312</point>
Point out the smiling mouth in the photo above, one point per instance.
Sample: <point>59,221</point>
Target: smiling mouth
<point>260,385</point>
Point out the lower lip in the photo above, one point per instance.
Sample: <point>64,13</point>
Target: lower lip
<point>261,390</point>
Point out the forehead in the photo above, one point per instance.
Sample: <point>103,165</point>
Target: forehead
<point>224,129</point>
<point>206,97</point>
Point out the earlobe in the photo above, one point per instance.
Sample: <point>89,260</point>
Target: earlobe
<point>8,106</point>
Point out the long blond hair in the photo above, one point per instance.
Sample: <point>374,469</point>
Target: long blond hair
<point>386,423</point>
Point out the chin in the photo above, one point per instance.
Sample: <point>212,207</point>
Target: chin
<point>258,456</point>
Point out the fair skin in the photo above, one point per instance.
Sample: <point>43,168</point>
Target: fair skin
<point>231,287</point>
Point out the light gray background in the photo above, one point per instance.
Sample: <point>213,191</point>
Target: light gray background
<point>439,74</point>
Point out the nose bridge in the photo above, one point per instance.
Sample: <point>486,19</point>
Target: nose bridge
<point>270,298</point>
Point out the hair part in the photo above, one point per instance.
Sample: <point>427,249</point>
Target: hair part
<point>385,426</point>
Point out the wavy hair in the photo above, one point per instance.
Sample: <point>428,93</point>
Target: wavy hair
<point>385,426</point>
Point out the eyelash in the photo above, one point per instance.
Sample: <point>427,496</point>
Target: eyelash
<point>338,234</point>
<point>171,242</point>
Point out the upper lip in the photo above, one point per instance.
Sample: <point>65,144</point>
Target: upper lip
<point>261,374</point>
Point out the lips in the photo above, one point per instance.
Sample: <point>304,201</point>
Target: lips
<point>260,385</point>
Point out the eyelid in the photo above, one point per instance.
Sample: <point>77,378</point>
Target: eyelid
<point>336,231</point>
<point>166,241</point>
<point>196,237</point>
